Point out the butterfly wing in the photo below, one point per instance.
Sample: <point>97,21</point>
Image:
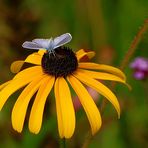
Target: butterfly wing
<point>31,45</point>
<point>48,44</point>
<point>45,43</point>
<point>61,40</point>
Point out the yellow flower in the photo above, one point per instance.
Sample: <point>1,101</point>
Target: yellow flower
<point>57,71</point>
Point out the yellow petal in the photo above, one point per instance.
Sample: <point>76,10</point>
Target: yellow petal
<point>88,104</point>
<point>105,68</point>
<point>101,75</point>
<point>16,66</point>
<point>12,87</point>
<point>34,58</point>
<point>4,84</point>
<point>65,109</point>
<point>59,111</point>
<point>32,71</point>
<point>81,53</point>
<point>36,115</point>
<point>102,89</point>
<point>42,51</point>
<point>21,105</point>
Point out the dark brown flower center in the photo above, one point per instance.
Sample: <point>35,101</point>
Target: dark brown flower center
<point>60,64</point>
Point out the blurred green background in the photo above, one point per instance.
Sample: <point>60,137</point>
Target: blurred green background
<point>106,26</point>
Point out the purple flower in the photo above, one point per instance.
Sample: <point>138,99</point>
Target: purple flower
<point>140,67</point>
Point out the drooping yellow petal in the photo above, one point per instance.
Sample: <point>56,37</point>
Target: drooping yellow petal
<point>32,71</point>
<point>36,115</point>
<point>12,87</point>
<point>103,67</point>
<point>65,109</point>
<point>101,75</point>
<point>34,58</point>
<point>88,104</point>
<point>81,53</point>
<point>4,84</point>
<point>21,105</point>
<point>102,89</point>
<point>104,76</point>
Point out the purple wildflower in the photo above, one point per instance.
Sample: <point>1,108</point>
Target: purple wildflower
<point>140,67</point>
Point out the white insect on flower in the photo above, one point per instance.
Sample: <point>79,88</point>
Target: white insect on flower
<point>48,44</point>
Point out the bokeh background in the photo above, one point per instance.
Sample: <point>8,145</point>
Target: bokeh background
<point>106,26</point>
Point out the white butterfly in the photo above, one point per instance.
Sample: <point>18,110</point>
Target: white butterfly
<point>48,44</point>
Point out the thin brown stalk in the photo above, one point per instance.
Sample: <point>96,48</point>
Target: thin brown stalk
<point>134,44</point>
<point>88,138</point>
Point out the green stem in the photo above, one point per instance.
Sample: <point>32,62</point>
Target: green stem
<point>63,143</point>
<point>97,23</point>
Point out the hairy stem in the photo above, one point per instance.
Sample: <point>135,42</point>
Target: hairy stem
<point>133,45</point>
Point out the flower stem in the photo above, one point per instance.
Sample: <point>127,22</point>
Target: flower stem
<point>63,143</point>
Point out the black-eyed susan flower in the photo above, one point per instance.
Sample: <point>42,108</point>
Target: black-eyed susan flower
<point>57,70</point>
